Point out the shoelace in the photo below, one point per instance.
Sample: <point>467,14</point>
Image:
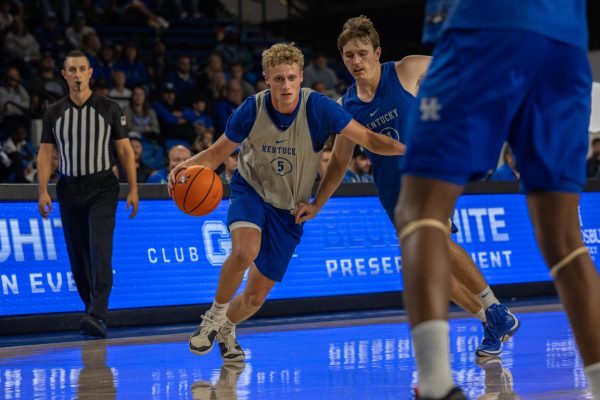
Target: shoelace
<point>207,324</point>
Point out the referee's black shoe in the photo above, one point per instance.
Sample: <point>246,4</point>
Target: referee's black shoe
<point>93,326</point>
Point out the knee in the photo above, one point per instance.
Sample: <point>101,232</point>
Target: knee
<point>254,300</point>
<point>243,257</point>
<point>556,245</point>
<point>401,217</point>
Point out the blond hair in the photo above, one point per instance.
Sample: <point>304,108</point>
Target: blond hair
<point>282,53</point>
<point>360,28</point>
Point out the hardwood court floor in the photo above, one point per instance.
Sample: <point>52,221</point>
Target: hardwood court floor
<point>368,358</point>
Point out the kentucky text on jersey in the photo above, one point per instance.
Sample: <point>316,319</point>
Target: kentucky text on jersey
<point>377,122</point>
<point>278,150</point>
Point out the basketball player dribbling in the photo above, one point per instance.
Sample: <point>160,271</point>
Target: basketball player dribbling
<point>381,99</point>
<point>503,70</point>
<point>282,132</point>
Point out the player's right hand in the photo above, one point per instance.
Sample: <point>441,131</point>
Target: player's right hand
<point>304,212</point>
<point>172,176</point>
<point>44,205</point>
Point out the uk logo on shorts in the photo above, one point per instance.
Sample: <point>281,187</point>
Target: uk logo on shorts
<point>430,108</point>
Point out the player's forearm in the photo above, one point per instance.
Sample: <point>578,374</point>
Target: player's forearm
<point>376,143</point>
<point>332,179</point>
<point>383,145</point>
<point>206,158</point>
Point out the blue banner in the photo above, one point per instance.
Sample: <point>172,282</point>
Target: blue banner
<point>164,257</point>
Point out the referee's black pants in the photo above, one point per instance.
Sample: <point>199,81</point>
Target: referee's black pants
<point>88,206</point>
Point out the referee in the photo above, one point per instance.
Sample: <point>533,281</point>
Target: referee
<point>83,127</point>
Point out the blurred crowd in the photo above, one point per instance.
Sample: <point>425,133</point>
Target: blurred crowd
<point>176,104</point>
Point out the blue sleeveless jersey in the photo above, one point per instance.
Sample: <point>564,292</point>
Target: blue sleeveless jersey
<point>386,114</point>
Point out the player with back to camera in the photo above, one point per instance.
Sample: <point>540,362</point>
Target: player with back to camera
<point>503,70</point>
<point>381,98</point>
<point>281,131</point>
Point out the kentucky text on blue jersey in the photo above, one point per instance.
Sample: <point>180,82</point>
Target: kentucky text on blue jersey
<point>377,122</point>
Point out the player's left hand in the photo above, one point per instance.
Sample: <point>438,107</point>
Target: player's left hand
<point>133,202</point>
<point>304,212</point>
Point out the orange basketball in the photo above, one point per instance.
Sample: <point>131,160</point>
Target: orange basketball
<point>198,190</point>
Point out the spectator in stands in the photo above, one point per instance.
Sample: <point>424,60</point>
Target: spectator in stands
<point>593,162</point>
<point>105,63</point>
<point>318,71</point>
<point>140,117</point>
<point>178,9</point>
<point>47,86</point>
<point>20,152</point>
<point>14,99</point>
<point>325,157</point>
<point>170,116</point>
<point>203,142</point>
<point>19,44</point>
<point>236,73</point>
<point>136,12</point>
<point>49,36</point>
<point>75,33</point>
<point>231,50</point>
<point>54,175</point>
<point>63,7</point>
<point>142,170</point>
<point>225,107</point>
<point>90,46</point>
<point>508,170</point>
<point>158,64</point>
<point>261,85</point>
<point>319,86</point>
<point>217,89</point>
<point>176,155</point>
<point>134,68</point>
<point>358,169</point>
<point>6,17</point>
<point>230,165</point>
<point>101,87</point>
<point>185,83</point>
<point>214,66</point>
<point>198,117</point>
<point>119,92</point>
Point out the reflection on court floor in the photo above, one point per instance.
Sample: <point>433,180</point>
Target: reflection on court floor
<point>371,361</point>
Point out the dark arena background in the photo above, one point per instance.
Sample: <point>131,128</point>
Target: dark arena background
<point>335,327</point>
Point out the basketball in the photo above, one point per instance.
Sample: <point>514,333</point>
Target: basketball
<point>198,190</point>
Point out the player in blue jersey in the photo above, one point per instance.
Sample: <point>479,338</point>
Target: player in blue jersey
<point>503,70</point>
<point>381,99</point>
<point>281,132</point>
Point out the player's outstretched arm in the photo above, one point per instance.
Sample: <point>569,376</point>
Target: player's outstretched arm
<point>338,163</point>
<point>379,144</point>
<point>211,158</point>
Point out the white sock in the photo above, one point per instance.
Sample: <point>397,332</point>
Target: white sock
<point>592,372</point>
<point>487,298</point>
<point>228,325</point>
<point>480,315</point>
<point>219,310</point>
<point>431,347</point>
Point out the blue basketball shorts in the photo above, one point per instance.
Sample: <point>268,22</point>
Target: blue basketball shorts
<point>485,87</point>
<point>279,232</point>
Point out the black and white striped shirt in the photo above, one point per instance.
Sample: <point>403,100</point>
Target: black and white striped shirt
<point>83,134</point>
